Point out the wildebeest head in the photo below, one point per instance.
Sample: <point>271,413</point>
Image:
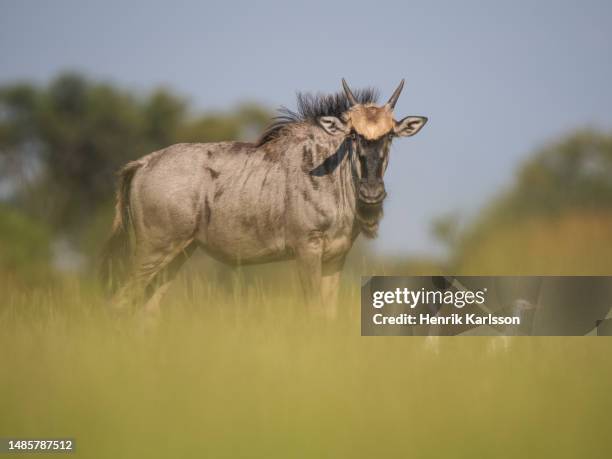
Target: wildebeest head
<point>370,130</point>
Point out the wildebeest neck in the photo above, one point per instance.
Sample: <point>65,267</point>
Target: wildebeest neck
<point>329,164</point>
<point>333,164</point>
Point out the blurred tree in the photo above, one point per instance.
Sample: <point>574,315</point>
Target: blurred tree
<point>556,218</point>
<point>445,229</point>
<point>575,172</point>
<point>61,144</point>
<point>164,115</point>
<point>24,246</point>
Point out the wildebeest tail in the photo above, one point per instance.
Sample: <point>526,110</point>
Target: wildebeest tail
<point>115,254</point>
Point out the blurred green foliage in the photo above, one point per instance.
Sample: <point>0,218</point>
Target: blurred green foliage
<point>555,219</point>
<point>24,245</point>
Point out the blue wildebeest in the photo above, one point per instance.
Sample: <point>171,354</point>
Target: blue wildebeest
<point>305,190</point>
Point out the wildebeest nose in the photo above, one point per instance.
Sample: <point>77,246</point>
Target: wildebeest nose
<point>372,194</point>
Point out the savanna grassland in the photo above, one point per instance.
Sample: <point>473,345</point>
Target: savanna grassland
<point>238,367</point>
<point>249,372</point>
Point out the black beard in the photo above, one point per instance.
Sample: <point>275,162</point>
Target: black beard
<point>369,216</point>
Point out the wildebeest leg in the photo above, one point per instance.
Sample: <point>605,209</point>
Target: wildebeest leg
<point>308,258</point>
<point>161,281</point>
<point>154,267</point>
<point>330,286</point>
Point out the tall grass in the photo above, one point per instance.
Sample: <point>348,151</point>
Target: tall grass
<point>249,372</point>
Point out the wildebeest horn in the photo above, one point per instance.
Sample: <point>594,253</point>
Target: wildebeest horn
<point>395,95</point>
<point>349,94</point>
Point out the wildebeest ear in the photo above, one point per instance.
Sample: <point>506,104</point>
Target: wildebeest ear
<point>333,125</point>
<point>409,126</point>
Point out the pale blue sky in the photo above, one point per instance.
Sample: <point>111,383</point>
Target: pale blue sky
<point>496,79</point>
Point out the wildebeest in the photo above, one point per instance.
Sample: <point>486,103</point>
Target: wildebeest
<point>305,190</point>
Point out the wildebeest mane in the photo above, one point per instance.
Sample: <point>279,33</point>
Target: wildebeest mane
<point>312,106</point>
